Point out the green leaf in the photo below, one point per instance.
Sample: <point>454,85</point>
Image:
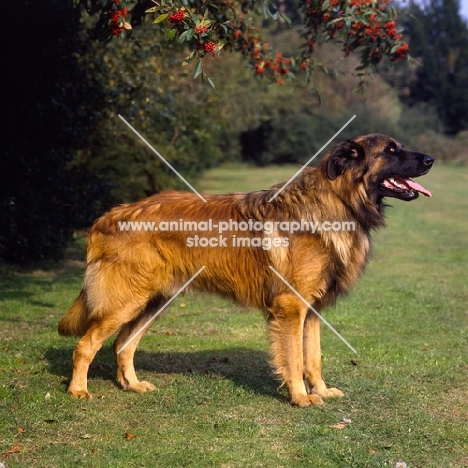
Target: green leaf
<point>186,36</point>
<point>189,58</point>
<point>171,34</point>
<point>190,33</point>
<point>211,83</point>
<point>161,18</point>
<point>287,20</point>
<point>198,69</point>
<point>153,9</point>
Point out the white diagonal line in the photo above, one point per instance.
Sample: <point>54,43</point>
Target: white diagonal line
<point>313,310</point>
<point>160,310</point>
<point>162,159</point>
<point>312,158</point>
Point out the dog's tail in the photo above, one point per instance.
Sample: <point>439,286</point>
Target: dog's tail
<point>75,322</point>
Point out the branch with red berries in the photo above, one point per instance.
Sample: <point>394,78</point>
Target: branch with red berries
<point>113,18</point>
<point>367,26</point>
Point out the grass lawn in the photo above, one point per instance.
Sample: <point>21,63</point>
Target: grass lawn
<point>217,403</point>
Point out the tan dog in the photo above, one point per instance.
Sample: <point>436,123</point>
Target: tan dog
<point>131,274</point>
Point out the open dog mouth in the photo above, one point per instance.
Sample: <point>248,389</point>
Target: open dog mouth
<point>398,184</point>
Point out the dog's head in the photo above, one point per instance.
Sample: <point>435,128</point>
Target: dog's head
<point>381,164</point>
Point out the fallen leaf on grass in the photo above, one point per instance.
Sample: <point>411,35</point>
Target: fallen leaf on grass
<point>182,305</point>
<point>339,426</point>
<point>15,449</point>
<point>86,436</point>
<point>21,430</point>
<point>129,436</point>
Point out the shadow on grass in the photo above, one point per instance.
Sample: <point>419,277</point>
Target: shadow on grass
<point>249,369</point>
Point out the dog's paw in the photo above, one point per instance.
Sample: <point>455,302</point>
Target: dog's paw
<point>303,401</point>
<point>330,393</point>
<point>81,394</point>
<point>141,387</point>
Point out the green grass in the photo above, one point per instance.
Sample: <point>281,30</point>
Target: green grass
<point>217,403</point>
<point>237,177</point>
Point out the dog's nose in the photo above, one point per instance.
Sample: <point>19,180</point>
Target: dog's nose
<point>428,160</point>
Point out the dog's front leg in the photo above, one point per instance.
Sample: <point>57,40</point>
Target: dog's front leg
<point>313,358</point>
<point>286,331</point>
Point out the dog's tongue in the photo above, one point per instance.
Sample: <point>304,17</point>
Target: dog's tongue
<point>415,186</point>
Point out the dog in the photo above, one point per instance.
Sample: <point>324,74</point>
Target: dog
<point>131,274</point>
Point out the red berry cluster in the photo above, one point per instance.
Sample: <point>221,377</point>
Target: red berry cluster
<point>200,30</point>
<point>117,17</point>
<point>279,66</point>
<point>208,46</point>
<point>177,17</point>
<point>359,3</point>
<point>376,34</point>
<point>246,40</point>
<point>401,52</point>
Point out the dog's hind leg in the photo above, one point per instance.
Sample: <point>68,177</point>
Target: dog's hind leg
<point>312,359</point>
<point>286,330</point>
<point>99,330</point>
<point>126,343</point>
<point>84,353</point>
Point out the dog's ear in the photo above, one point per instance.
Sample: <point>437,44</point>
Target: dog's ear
<point>343,157</point>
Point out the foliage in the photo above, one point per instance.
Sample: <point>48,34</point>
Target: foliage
<point>190,125</point>
<point>291,127</point>
<point>439,40</point>
<point>208,26</point>
<point>47,115</point>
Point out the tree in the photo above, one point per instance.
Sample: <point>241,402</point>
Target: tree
<point>211,25</point>
<point>47,116</point>
<point>439,40</point>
